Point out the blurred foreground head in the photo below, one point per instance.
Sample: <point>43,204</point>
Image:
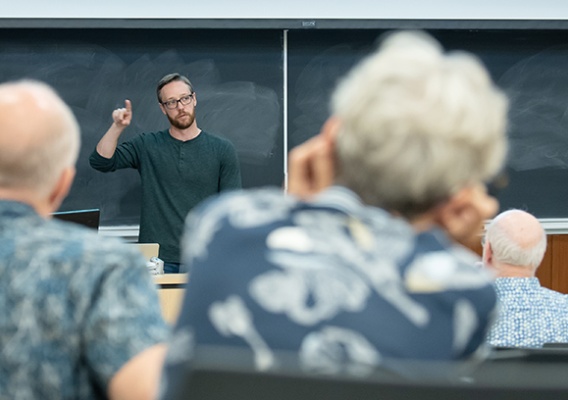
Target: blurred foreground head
<point>417,125</point>
<point>39,145</point>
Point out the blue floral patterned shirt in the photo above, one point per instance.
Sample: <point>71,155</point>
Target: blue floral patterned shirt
<point>339,283</point>
<point>75,307</point>
<point>529,314</point>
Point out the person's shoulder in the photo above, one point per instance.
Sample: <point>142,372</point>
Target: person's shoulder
<point>152,136</point>
<point>439,262</point>
<point>554,295</point>
<point>243,203</point>
<point>262,197</point>
<point>82,245</point>
<point>216,139</point>
<point>211,136</point>
<point>437,241</point>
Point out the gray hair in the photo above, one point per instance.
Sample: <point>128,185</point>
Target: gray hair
<point>417,125</point>
<point>517,242</point>
<point>39,136</point>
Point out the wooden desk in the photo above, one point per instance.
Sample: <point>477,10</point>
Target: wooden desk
<point>171,288</point>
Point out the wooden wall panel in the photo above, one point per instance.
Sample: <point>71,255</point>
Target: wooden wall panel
<point>559,269</point>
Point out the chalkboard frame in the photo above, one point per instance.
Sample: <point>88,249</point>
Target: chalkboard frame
<point>278,23</point>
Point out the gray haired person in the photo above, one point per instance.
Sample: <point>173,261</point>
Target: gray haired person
<point>529,315</point>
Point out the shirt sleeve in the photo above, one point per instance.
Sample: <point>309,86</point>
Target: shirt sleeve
<point>124,319</point>
<point>230,177</point>
<point>125,156</point>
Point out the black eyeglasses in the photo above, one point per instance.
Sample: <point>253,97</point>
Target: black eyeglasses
<point>172,104</point>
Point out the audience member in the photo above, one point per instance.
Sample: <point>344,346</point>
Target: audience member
<point>529,314</point>
<point>80,315</point>
<point>368,268</point>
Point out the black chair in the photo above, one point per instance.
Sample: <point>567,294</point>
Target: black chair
<point>555,345</point>
<point>213,378</point>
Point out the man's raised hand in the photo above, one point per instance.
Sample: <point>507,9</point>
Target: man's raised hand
<point>123,116</point>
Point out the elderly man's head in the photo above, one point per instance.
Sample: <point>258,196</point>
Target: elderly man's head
<point>515,243</point>
<point>39,144</point>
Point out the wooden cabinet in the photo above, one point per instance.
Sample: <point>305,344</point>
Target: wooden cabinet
<point>171,289</point>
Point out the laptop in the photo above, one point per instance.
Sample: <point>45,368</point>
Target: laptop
<point>88,218</point>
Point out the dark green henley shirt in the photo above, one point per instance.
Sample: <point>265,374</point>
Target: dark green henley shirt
<point>175,177</point>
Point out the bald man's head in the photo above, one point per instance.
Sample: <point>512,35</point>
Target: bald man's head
<point>516,238</point>
<point>39,137</point>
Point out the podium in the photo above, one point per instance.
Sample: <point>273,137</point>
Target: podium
<point>171,289</point>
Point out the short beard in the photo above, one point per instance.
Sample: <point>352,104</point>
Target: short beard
<point>179,125</point>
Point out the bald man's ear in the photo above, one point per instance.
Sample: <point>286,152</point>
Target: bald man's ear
<point>487,254</point>
<point>61,189</point>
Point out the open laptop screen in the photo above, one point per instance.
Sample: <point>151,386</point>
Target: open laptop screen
<point>88,218</point>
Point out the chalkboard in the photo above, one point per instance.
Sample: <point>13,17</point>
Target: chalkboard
<point>237,76</point>
<point>530,65</point>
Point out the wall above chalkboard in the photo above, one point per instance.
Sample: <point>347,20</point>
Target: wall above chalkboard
<point>292,9</point>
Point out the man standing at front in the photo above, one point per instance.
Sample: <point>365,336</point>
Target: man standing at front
<point>179,166</point>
